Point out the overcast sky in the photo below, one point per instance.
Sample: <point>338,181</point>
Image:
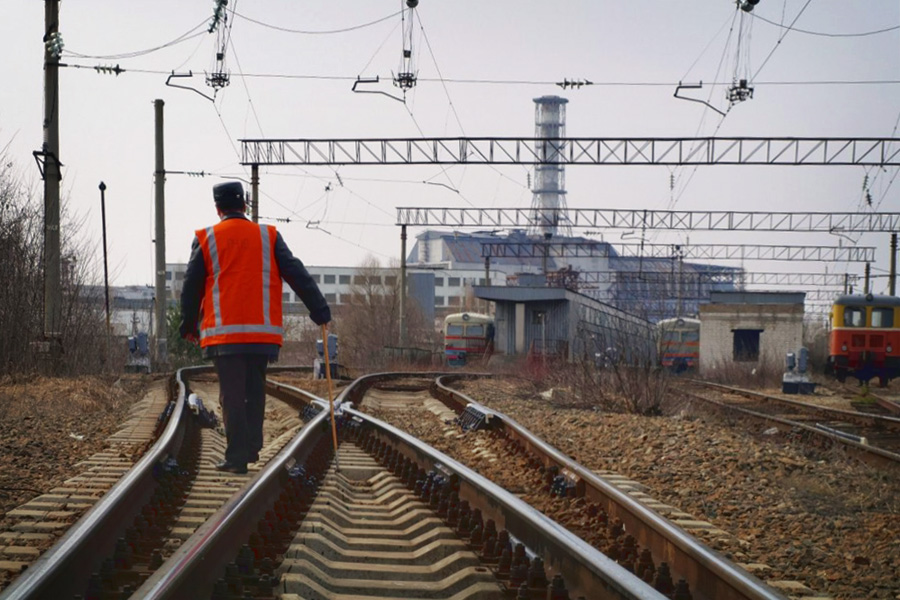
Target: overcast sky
<point>480,65</point>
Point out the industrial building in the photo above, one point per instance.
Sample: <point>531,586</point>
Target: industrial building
<point>542,321</point>
<point>749,330</point>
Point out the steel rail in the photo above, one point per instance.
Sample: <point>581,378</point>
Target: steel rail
<point>710,575</point>
<point>191,570</point>
<point>859,418</point>
<point>69,563</point>
<point>864,452</point>
<point>586,571</point>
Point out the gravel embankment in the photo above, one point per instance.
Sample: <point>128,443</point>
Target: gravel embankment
<point>818,519</point>
<point>47,425</point>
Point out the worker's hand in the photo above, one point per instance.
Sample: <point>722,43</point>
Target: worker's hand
<point>321,316</point>
<point>189,333</point>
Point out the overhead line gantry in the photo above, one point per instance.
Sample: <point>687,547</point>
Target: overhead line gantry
<point>679,220</point>
<point>596,249</point>
<point>880,152</point>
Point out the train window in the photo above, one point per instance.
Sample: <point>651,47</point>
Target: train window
<point>670,337</point>
<point>454,329</point>
<point>882,317</point>
<point>474,330</point>
<point>854,317</point>
<point>690,336</point>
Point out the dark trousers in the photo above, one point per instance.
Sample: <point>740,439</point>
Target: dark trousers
<point>242,394</point>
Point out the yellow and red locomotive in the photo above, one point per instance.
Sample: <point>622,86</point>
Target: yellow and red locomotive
<point>865,338</point>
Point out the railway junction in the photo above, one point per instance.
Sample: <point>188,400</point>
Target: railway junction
<point>497,489</point>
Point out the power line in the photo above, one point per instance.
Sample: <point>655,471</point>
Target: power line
<point>822,33</point>
<point>182,38</point>
<point>824,82</point>
<point>780,39</point>
<point>316,32</point>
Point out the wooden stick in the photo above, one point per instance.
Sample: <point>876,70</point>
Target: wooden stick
<point>330,394</point>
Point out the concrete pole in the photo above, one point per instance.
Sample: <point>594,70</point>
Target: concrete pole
<point>487,271</point>
<point>160,204</point>
<point>892,277</point>
<point>846,283</point>
<point>254,193</point>
<point>680,305</point>
<point>402,286</point>
<point>866,284</point>
<point>52,177</point>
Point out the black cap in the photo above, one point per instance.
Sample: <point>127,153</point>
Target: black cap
<point>229,195</point>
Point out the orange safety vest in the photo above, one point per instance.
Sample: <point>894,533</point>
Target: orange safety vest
<point>242,297</point>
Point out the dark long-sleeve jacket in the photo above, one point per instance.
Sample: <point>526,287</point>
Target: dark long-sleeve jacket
<point>292,271</point>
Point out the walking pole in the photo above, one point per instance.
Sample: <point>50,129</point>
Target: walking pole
<point>330,395</point>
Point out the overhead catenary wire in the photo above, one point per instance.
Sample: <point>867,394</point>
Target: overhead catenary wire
<point>781,38</point>
<point>188,35</point>
<point>823,33</point>
<point>313,77</point>
<point>317,32</point>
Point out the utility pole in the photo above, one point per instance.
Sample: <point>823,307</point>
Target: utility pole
<point>866,283</point>
<point>105,268</point>
<point>254,193</point>
<point>402,318</point>
<point>160,202</point>
<point>892,277</point>
<point>52,175</point>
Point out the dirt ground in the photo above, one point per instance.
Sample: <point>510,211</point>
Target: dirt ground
<point>47,425</point>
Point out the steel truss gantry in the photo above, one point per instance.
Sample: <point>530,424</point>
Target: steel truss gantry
<point>813,296</point>
<point>542,249</point>
<point>881,152</point>
<point>678,220</point>
<point>586,279</point>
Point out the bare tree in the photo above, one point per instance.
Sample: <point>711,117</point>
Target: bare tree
<point>369,319</point>
<point>82,319</point>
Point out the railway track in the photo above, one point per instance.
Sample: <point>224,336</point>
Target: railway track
<point>387,516</point>
<point>872,438</point>
<point>862,399</point>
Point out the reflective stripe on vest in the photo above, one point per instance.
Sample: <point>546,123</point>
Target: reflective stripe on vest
<point>214,257</point>
<point>226,329</point>
<point>272,332</point>
<point>266,273</point>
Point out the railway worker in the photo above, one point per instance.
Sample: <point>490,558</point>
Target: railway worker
<point>231,303</point>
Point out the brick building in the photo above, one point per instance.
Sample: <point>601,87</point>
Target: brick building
<point>749,329</point>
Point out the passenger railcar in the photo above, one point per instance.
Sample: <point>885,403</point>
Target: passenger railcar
<point>865,338</point>
<point>679,343</point>
<point>467,336</point>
